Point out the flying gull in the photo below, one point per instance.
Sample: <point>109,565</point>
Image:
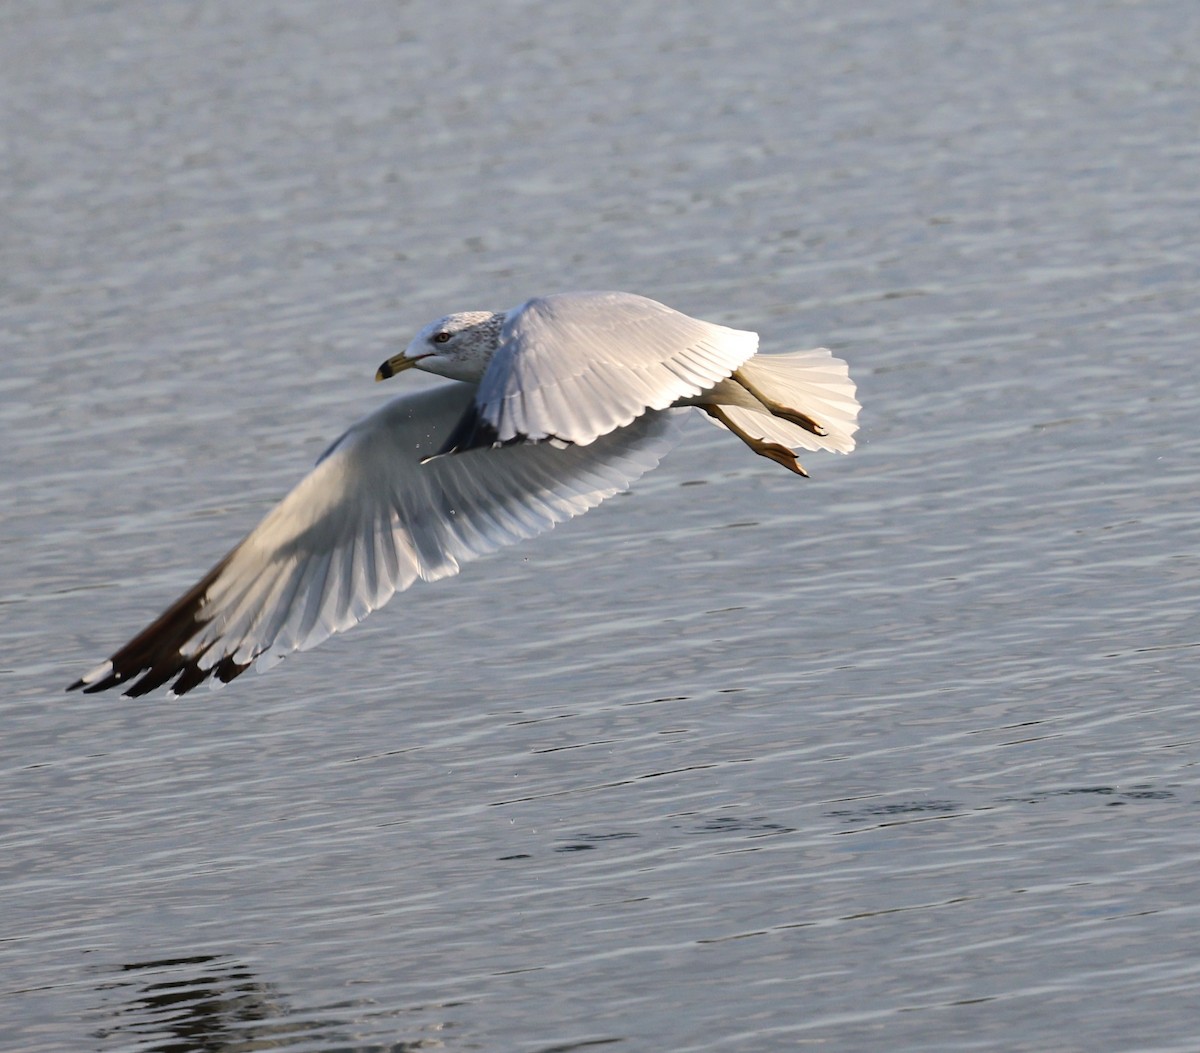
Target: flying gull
<point>560,403</point>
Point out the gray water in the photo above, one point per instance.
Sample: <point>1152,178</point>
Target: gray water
<point>900,758</point>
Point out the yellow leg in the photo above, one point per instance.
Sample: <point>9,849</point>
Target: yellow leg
<point>771,450</point>
<point>801,420</point>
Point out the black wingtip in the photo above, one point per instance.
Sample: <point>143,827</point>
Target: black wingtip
<point>89,687</point>
<point>156,655</point>
<point>470,433</point>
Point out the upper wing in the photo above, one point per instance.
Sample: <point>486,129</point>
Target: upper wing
<point>365,523</point>
<point>575,366</point>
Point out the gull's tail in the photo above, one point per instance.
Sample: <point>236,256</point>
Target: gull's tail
<point>777,404</point>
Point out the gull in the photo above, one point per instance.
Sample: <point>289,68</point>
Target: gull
<point>557,404</point>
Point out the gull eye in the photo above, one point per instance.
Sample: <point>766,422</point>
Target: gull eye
<point>441,338</point>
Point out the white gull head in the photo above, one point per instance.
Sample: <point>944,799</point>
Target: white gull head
<point>459,347</point>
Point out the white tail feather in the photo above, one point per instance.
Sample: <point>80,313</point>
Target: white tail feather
<point>812,383</point>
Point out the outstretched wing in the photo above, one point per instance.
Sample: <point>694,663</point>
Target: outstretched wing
<point>368,521</point>
<point>576,366</point>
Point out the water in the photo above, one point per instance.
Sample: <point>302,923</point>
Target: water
<point>899,758</point>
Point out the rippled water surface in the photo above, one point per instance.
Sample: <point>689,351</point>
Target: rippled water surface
<point>899,758</point>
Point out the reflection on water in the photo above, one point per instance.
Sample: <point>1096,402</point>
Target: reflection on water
<point>201,1004</point>
<point>216,1004</point>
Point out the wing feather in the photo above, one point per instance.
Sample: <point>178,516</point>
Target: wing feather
<point>578,365</point>
<point>368,521</point>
